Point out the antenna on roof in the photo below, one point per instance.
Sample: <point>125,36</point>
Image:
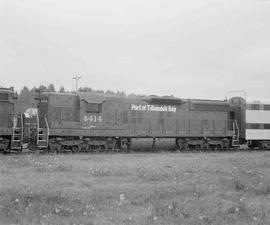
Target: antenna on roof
<point>76,78</point>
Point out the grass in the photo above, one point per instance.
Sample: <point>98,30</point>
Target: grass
<point>147,189</point>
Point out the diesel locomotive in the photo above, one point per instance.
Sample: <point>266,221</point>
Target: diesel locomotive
<point>94,122</point>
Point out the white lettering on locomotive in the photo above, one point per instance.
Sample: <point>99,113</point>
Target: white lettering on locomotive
<point>92,118</point>
<point>153,108</point>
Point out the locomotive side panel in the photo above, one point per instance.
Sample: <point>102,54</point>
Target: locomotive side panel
<point>7,114</point>
<point>147,119</point>
<point>210,118</point>
<point>114,116</point>
<point>94,120</point>
<point>62,111</point>
<point>144,119</point>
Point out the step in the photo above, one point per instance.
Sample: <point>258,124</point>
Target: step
<point>42,146</point>
<point>16,140</point>
<point>19,147</point>
<point>42,142</point>
<point>16,144</point>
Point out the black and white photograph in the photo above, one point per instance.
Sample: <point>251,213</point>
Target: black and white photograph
<point>134,112</point>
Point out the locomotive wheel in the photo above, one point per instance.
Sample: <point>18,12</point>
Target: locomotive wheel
<point>103,148</point>
<point>84,147</point>
<point>75,148</point>
<point>4,145</point>
<point>90,148</point>
<point>124,145</point>
<point>54,147</point>
<point>217,147</point>
<point>180,146</point>
<point>51,149</point>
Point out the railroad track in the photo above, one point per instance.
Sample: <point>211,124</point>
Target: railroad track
<point>117,151</point>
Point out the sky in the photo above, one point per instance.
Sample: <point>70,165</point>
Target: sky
<point>190,49</point>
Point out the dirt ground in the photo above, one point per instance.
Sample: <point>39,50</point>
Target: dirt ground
<point>157,188</point>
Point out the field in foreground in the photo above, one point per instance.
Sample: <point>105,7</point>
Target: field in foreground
<point>190,188</point>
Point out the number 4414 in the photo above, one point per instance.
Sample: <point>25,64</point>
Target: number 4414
<point>92,118</point>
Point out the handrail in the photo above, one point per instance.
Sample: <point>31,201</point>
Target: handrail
<point>14,121</point>
<point>21,127</point>
<point>48,131</point>
<point>37,129</point>
<point>46,121</point>
<point>237,127</point>
<point>37,122</point>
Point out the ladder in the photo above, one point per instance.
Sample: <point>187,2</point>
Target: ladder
<point>235,137</point>
<point>17,133</point>
<point>42,134</point>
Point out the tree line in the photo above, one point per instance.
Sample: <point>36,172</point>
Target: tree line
<point>26,97</point>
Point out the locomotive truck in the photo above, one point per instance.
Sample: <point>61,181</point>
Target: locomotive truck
<point>94,122</point>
